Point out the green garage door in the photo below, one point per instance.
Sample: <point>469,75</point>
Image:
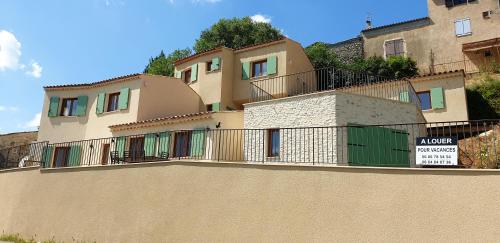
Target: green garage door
<point>378,146</point>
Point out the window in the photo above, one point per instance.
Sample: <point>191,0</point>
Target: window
<point>259,69</point>
<point>187,76</point>
<point>273,143</point>
<point>463,27</point>
<point>136,148</point>
<point>210,107</point>
<point>209,66</point>
<point>182,145</point>
<point>113,101</point>
<point>68,107</point>
<point>452,3</point>
<point>61,156</point>
<point>488,53</point>
<point>425,100</point>
<point>394,48</point>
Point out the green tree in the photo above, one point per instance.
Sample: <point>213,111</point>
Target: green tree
<point>321,56</point>
<point>395,67</point>
<point>483,98</point>
<point>236,33</point>
<point>164,65</point>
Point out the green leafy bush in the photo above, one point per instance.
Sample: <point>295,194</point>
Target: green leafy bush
<point>484,98</point>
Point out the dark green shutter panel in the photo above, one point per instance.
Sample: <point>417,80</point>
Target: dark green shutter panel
<point>398,150</point>
<point>123,99</point>
<point>357,146</point>
<point>194,72</point>
<point>272,65</point>
<point>53,106</point>
<point>47,156</point>
<point>120,146</point>
<point>245,71</point>
<point>149,144</point>
<point>216,106</point>
<point>101,98</point>
<point>404,97</point>
<point>81,108</point>
<point>437,98</point>
<point>164,146</point>
<point>197,142</point>
<point>74,155</point>
<point>215,63</point>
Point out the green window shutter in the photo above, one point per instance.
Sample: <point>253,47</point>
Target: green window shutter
<point>194,72</point>
<point>47,156</point>
<point>357,145</point>
<point>398,153</point>
<point>272,65</point>
<point>74,155</point>
<point>123,99</point>
<point>404,97</point>
<point>164,146</point>
<point>197,142</point>
<point>101,98</point>
<point>81,108</point>
<point>178,74</point>
<point>120,146</point>
<point>215,64</point>
<point>245,71</point>
<point>53,106</point>
<point>149,144</point>
<point>437,98</point>
<point>216,106</point>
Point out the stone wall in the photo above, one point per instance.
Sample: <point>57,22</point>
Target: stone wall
<point>16,139</point>
<point>348,51</point>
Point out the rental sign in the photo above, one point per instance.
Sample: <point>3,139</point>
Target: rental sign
<point>440,151</point>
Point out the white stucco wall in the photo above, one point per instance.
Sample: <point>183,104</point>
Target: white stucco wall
<point>325,143</point>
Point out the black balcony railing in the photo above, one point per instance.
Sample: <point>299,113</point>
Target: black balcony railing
<point>327,79</point>
<point>355,145</point>
<point>22,156</point>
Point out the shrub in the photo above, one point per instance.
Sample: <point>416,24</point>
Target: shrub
<point>484,98</point>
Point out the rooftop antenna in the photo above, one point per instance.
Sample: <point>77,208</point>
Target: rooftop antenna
<point>368,21</point>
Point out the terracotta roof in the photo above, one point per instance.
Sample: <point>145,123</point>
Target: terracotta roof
<point>396,24</point>
<point>164,119</point>
<point>440,73</point>
<point>219,48</point>
<point>125,77</point>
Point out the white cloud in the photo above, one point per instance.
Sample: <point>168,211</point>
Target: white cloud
<point>259,18</point>
<point>36,70</point>
<point>10,51</point>
<point>35,122</point>
<point>8,108</point>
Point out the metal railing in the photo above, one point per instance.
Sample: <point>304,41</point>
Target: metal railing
<point>327,79</point>
<point>469,66</point>
<point>22,155</point>
<point>356,145</point>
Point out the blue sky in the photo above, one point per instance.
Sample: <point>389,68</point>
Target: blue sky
<point>59,41</point>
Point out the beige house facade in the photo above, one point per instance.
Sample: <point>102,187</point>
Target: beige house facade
<point>456,34</point>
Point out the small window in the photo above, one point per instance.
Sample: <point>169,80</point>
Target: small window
<point>187,76</point>
<point>394,48</point>
<point>273,143</point>
<point>210,107</point>
<point>113,101</point>
<point>463,27</point>
<point>68,107</point>
<point>425,100</point>
<point>209,66</point>
<point>259,68</point>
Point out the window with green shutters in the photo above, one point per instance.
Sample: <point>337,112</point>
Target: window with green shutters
<point>124,99</point>
<point>194,72</point>
<point>81,107</point>
<point>178,74</point>
<point>437,98</point>
<point>101,99</point>
<point>53,106</point>
<point>245,71</point>
<point>404,97</point>
<point>377,146</point>
<point>74,155</point>
<point>197,143</point>
<point>272,65</point>
<point>149,144</point>
<point>215,64</point>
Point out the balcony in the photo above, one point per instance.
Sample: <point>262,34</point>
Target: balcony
<point>332,79</point>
